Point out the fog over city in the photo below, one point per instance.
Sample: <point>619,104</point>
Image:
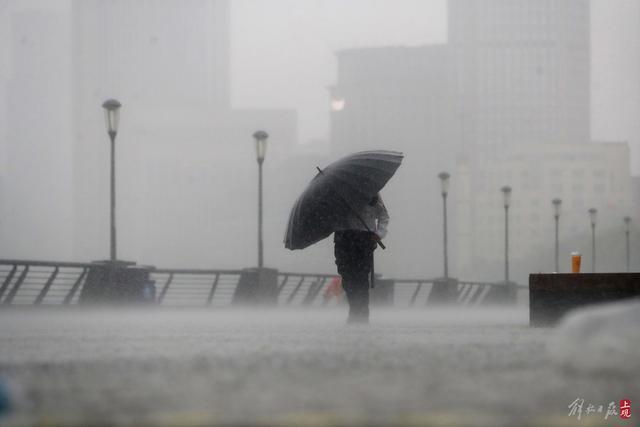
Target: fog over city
<point>541,97</point>
<point>319,212</point>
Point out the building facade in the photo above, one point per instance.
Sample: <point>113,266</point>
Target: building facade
<point>522,69</point>
<point>582,176</point>
<point>398,98</point>
<point>513,74</point>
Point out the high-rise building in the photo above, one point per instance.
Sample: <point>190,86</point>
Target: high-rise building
<point>394,98</point>
<point>513,72</point>
<point>522,69</point>
<point>581,175</point>
<point>158,53</point>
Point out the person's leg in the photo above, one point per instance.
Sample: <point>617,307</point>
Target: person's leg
<point>360,269</point>
<point>359,301</point>
<point>348,261</point>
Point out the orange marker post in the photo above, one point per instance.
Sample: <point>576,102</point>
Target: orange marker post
<point>575,262</point>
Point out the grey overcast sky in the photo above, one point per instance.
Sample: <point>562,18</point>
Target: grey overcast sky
<point>299,68</point>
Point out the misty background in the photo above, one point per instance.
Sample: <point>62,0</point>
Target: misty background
<point>197,78</point>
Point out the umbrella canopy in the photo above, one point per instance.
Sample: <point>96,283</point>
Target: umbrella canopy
<point>343,187</point>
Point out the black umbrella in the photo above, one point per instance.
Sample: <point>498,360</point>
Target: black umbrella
<point>342,188</point>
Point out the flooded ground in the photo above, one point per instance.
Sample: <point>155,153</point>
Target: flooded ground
<point>202,367</point>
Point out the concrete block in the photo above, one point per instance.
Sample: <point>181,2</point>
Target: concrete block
<point>552,295</point>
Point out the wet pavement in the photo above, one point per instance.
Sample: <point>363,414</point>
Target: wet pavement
<point>282,367</point>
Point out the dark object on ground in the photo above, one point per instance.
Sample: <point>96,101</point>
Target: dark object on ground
<point>257,286</point>
<point>342,188</point>
<point>443,292</point>
<point>5,400</point>
<point>552,295</point>
<point>118,282</point>
<point>353,251</point>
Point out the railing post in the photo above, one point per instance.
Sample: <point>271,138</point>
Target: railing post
<point>11,295</point>
<point>47,285</point>
<point>7,281</point>
<point>415,294</point>
<point>295,291</point>
<point>501,294</point>
<point>314,290</point>
<point>213,289</point>
<point>443,292</point>
<point>165,288</point>
<point>75,287</point>
<point>284,282</point>
<point>257,286</point>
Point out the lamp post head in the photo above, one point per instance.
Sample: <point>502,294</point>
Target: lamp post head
<point>112,115</point>
<point>444,182</point>
<point>627,222</point>
<point>506,193</point>
<point>593,214</point>
<point>557,204</point>
<point>261,144</point>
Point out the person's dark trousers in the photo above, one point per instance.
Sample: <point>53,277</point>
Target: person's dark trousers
<point>353,250</point>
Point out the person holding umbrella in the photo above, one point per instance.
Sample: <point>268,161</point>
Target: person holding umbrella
<point>344,199</point>
<point>355,239</point>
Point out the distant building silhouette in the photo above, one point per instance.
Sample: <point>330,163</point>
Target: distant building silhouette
<point>505,102</point>
<point>168,63</point>
<point>581,175</point>
<point>186,175</point>
<point>512,72</point>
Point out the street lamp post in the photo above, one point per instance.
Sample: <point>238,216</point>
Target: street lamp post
<point>261,149</point>
<point>444,186</point>
<point>112,119</point>
<point>506,193</point>
<point>627,232</point>
<point>557,203</point>
<point>593,212</point>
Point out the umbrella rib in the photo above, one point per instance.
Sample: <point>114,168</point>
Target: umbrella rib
<point>349,205</point>
<point>350,184</point>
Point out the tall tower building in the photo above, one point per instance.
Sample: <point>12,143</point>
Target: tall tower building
<point>522,70</point>
<point>513,73</point>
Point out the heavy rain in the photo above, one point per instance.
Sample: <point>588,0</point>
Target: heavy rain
<point>319,212</point>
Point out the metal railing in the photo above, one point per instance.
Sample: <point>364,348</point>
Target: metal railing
<point>41,282</point>
<point>182,287</point>
<point>60,283</point>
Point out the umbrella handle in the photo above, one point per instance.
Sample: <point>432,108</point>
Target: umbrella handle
<point>381,244</point>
